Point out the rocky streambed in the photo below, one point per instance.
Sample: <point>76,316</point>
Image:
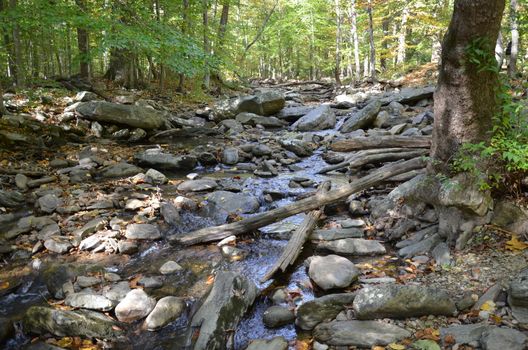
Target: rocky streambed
<point>88,227</point>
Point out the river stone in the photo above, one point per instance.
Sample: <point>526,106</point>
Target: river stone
<point>87,281</point>
<point>264,103</point>
<point>49,203</point>
<point>260,150</point>
<point>229,298</point>
<point>397,301</point>
<point>155,158</point>
<point>234,202</point>
<point>421,247</point>
<point>353,246</point>
<point>277,316</point>
<point>58,244</point>
<point>136,305</point>
<point>197,185</point>
<point>90,227</point>
<point>325,308</point>
<point>129,115</point>
<point>11,198</point>
<point>155,177</point>
<point>85,96</point>
<point>292,114</point>
<point>230,156</point>
<point>362,119</point>
<point>150,282</point>
<point>83,323</point>
<point>332,271</point>
<point>142,231</point>
<point>359,333</point>
<point>89,301</point>
<point>498,338</point>
<point>518,296</point>
<point>170,213</point>
<point>409,95</point>
<point>254,119</point>
<point>233,125</point>
<point>464,334</point>
<point>336,233</point>
<point>463,192</point>
<point>277,343</point>
<point>117,292</point>
<point>121,169</point>
<point>320,118</point>
<point>166,310</point>
<point>170,267</point>
<point>21,181</point>
<point>7,330</point>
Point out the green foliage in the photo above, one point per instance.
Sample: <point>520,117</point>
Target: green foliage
<point>477,54</point>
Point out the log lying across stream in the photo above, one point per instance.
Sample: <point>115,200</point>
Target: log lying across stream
<point>311,203</point>
<point>362,143</point>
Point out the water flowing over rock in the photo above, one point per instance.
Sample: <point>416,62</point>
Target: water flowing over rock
<point>224,306</point>
<point>396,301</point>
<point>130,115</point>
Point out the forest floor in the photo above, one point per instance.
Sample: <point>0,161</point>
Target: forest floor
<point>83,224</point>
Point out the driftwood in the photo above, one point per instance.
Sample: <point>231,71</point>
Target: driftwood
<point>365,157</point>
<point>361,143</point>
<point>263,219</point>
<point>299,237</point>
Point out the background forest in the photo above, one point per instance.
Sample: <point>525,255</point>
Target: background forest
<point>188,44</point>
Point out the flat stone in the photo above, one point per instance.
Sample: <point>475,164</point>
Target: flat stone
<point>397,301</point>
<point>354,246</point>
<point>359,333</point>
<point>49,203</point>
<point>170,267</point>
<point>142,231</point>
<point>277,343</point>
<point>278,316</point>
<point>234,202</point>
<point>464,334</point>
<point>498,338</point>
<point>155,158</point>
<point>117,292</point>
<point>89,301</point>
<point>58,244</point>
<point>200,185</point>
<point>336,233</point>
<point>325,308</point>
<point>332,271</point>
<point>136,305</point>
<point>167,309</point>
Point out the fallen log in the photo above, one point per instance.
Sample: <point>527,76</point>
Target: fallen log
<point>263,219</point>
<point>361,143</point>
<point>365,157</point>
<point>299,237</point>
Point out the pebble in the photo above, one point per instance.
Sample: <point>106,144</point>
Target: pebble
<point>170,267</point>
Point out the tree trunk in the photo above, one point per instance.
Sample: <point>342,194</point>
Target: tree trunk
<point>206,45</point>
<point>400,58</point>
<point>436,50</point>
<point>464,101</point>
<point>17,51</point>
<point>372,63</point>
<point>185,26</point>
<point>354,35</point>
<point>512,67</point>
<point>83,44</point>
<point>384,43</point>
<point>499,51</point>
<point>2,107</point>
<point>338,44</point>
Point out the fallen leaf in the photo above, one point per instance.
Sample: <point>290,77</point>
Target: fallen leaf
<point>395,346</point>
<point>488,306</point>
<point>4,285</point>
<point>515,245</point>
<point>210,280</point>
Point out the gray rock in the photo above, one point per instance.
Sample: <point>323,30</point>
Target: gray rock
<point>409,96</point>
<point>260,150</point>
<point>354,246</point>
<point>277,343</point>
<point>126,247</point>
<point>223,307</point>
<point>89,301</point>
<point>136,305</point>
<point>155,177</point>
<point>142,231</point>
<point>292,114</point>
<point>233,125</point>
<point>265,103</point>
<point>85,96</point>
<point>137,134</point>
<point>234,202</point>
<point>332,271</point>
<point>129,115</point>
<point>88,281</point>
<point>155,158</point>
<point>150,282</point>
<point>511,216</point>
<point>83,323</point>
<point>320,118</point>
<point>362,119</point>
<point>396,108</point>
<point>90,227</point>
<point>58,244</point>
<point>11,198</point>
<point>198,185</point>
<point>421,247</point>
<point>167,309</point>
<point>254,120</point>
<point>397,301</point>
<point>170,267</point>
<point>464,334</point>
<point>325,308</point>
<point>336,233</point>
<point>49,203</point>
<point>170,213</point>
<point>21,181</point>
<point>277,316</point>
<point>503,338</point>
<point>299,147</point>
<point>518,296</point>
<point>464,192</point>
<point>359,333</point>
<point>230,156</point>
<point>116,292</point>
<point>441,254</point>
<point>121,169</point>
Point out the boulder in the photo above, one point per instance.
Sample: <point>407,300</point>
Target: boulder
<point>121,169</point>
<point>167,309</point>
<point>264,103</point>
<point>397,301</point>
<point>89,301</point>
<point>409,96</point>
<point>359,333</point>
<point>498,338</point>
<point>230,156</point>
<point>155,158</point>
<point>464,334</point>
<point>142,231</point>
<point>136,305</point>
<point>234,202</point>
<point>129,115</point>
<point>320,118</point>
<point>362,119</point>
<point>332,271</point>
<point>325,308</point>
<point>11,198</point>
<point>229,298</point>
<point>277,343</point>
<point>277,316</point>
<point>353,246</point>
<point>155,177</point>
<point>292,114</point>
<point>518,296</point>
<point>61,323</point>
<point>247,118</point>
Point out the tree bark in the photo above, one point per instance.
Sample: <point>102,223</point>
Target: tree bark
<point>361,143</point>
<point>206,44</point>
<point>338,44</point>
<point>512,66</point>
<point>499,51</point>
<point>372,63</point>
<point>400,58</point>
<point>185,26</point>
<point>3,110</point>
<point>384,43</point>
<point>352,13</point>
<point>17,51</point>
<point>83,44</point>
<point>464,101</point>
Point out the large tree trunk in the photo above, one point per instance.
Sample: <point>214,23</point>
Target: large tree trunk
<point>206,45</point>
<point>83,45</point>
<point>17,51</point>
<point>338,44</point>
<point>464,101</point>
<point>499,51</point>
<point>512,67</point>
<point>372,64</point>
<point>400,58</point>
<point>354,35</point>
<point>185,26</point>
<point>384,43</point>
<point>2,107</point>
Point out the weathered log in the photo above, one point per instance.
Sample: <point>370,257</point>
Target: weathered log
<point>298,238</point>
<point>361,143</point>
<point>263,219</point>
<point>365,157</point>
